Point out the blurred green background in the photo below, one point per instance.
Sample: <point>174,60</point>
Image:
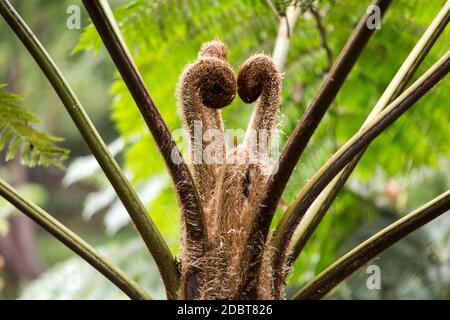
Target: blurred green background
<point>406,166</point>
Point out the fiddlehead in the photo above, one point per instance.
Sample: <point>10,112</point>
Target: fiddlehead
<point>231,184</point>
<point>259,78</point>
<point>204,87</point>
<point>245,175</point>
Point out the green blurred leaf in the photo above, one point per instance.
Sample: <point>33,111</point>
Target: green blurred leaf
<point>18,135</point>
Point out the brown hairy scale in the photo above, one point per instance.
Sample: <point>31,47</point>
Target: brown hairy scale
<point>231,188</point>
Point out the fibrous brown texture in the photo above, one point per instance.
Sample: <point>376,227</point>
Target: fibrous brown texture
<point>259,78</point>
<point>230,186</point>
<point>204,87</point>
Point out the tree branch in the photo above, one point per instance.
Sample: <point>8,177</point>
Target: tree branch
<point>286,26</point>
<point>360,141</point>
<point>396,86</point>
<point>144,224</point>
<point>323,35</point>
<point>273,9</point>
<point>370,248</point>
<point>300,138</point>
<point>73,242</point>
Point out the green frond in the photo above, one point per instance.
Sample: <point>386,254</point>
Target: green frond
<point>20,138</point>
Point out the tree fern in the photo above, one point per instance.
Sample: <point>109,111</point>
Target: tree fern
<point>20,138</point>
<point>158,66</point>
<point>250,26</point>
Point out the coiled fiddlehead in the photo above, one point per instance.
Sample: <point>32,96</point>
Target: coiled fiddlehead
<point>230,185</point>
<point>245,176</point>
<point>204,88</point>
<point>259,78</point>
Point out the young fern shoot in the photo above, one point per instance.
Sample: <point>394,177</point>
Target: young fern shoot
<point>229,178</point>
<point>204,87</point>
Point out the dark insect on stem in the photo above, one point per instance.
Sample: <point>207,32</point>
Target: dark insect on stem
<point>245,183</point>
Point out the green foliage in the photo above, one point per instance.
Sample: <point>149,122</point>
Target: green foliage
<point>19,136</point>
<point>422,257</point>
<point>418,139</point>
<point>154,192</point>
<point>74,279</point>
<point>165,35</point>
<point>281,5</point>
<point>32,191</point>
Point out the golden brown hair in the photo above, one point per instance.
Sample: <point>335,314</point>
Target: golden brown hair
<point>231,188</point>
